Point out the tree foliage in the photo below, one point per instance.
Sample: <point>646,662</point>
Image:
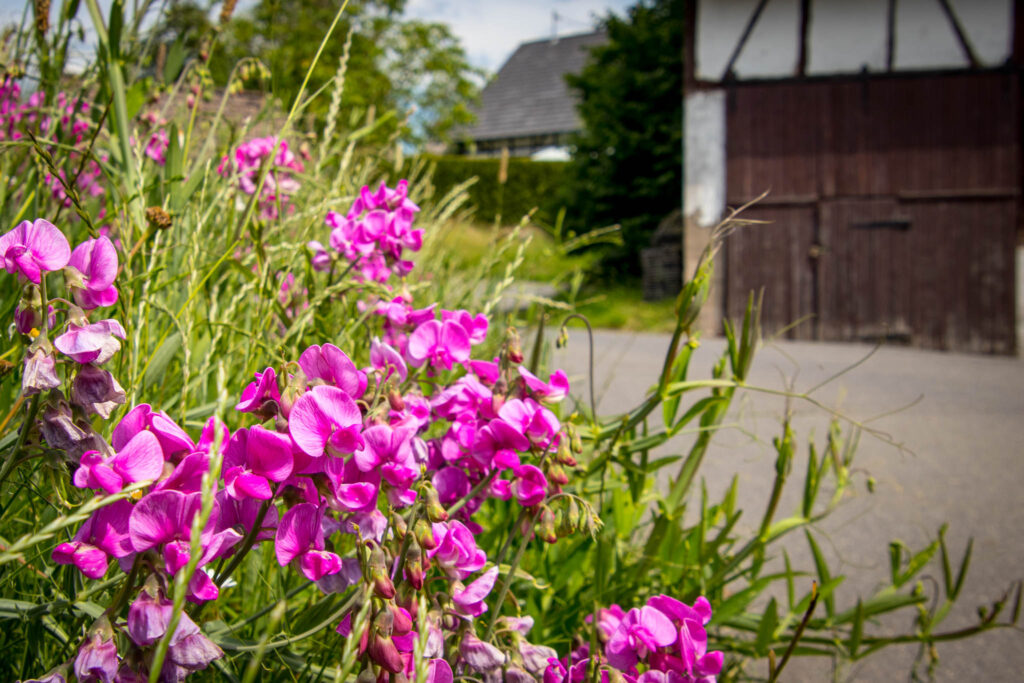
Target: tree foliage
<point>627,165</point>
<point>418,69</point>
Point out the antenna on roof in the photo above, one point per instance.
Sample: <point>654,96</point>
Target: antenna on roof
<point>554,26</point>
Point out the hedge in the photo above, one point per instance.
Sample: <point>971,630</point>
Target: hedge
<point>529,184</point>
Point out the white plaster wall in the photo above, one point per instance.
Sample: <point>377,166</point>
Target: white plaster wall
<point>846,36</point>
<point>704,156</point>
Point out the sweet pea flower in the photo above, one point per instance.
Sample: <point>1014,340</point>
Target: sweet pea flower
<point>470,600</point>
<point>640,632</point>
<point>96,390</point>
<point>96,260</point>
<point>40,373</point>
<point>456,551</point>
<point>255,457</point>
<point>33,248</point>
<point>325,419</point>
<point>103,535</point>
<point>480,655</point>
<point>141,459</point>
<point>190,650</point>
<point>331,365</point>
<point>173,439</point>
<point>163,519</point>
<point>554,390</point>
<point>440,344</point>
<point>529,486</point>
<point>257,394</point>
<point>386,360</point>
<point>97,660</point>
<point>94,343</point>
<point>300,536</point>
<point>474,326</point>
<point>530,419</point>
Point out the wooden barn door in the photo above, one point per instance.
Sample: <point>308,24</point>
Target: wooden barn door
<point>893,207</point>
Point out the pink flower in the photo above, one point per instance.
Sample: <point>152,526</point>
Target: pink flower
<point>440,344</point>
<point>96,260</point>
<point>97,660</point>
<point>331,365</point>
<point>256,395</point>
<point>103,535</point>
<point>640,632</point>
<point>475,326</point>
<point>93,343</point>
<point>456,551</point>
<point>388,361</point>
<point>530,485</point>
<point>141,459</point>
<point>300,536</point>
<point>254,458</point>
<point>470,600</point>
<point>554,391</point>
<point>33,248</point>
<point>325,419</point>
<point>173,439</point>
<point>156,147</point>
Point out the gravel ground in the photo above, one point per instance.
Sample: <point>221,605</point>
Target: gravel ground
<point>960,420</point>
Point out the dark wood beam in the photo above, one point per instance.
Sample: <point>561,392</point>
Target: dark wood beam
<point>743,39</point>
<point>965,44</point>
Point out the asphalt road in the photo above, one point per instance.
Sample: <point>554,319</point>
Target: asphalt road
<point>960,420</point>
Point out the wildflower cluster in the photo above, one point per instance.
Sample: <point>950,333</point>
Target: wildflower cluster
<point>245,164</point>
<point>366,479</point>
<point>67,122</point>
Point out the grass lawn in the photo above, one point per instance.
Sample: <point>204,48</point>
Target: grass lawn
<point>607,305</point>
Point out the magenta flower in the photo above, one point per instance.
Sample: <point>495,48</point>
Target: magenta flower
<point>94,343</point>
<point>530,419</point>
<point>257,394</point>
<point>164,519</point>
<point>470,600</point>
<point>96,260</point>
<point>530,485</point>
<point>388,361</point>
<point>141,459</point>
<point>325,419</point>
<point>554,390</point>
<point>103,535</point>
<point>300,536</point>
<point>456,551</point>
<point>173,439</point>
<point>480,655</point>
<point>256,457</point>
<point>33,248</point>
<point>331,365</point>
<point>641,632</point>
<point>475,326</point>
<point>440,344</point>
<point>353,489</point>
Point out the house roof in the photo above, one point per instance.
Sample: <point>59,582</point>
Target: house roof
<point>529,96</point>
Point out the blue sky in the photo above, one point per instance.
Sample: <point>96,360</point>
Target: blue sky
<point>489,29</point>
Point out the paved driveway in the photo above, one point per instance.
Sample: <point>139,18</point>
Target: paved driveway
<point>963,464</point>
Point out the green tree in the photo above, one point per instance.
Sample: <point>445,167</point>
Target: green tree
<point>394,63</point>
<point>627,164</point>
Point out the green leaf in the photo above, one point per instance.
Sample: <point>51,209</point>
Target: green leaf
<point>824,576</point>
<point>782,526</point>
<point>858,630</point>
<point>962,574</point>
<point>136,96</point>
<point>114,30</point>
<point>175,60</point>
<point>917,563</point>
<point>766,630</point>
<point>161,360</point>
<point>810,480</point>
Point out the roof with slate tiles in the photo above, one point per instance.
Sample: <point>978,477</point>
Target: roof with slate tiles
<point>529,95</point>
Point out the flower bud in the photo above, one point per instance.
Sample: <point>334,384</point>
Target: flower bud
<point>424,535</point>
<point>546,525</point>
<point>401,620</point>
<point>383,651</point>
<point>574,438</point>
<point>406,599</point>
<point>564,455</point>
<point>399,526</point>
<point>515,349</point>
<point>435,511</point>
<point>382,586</point>
<point>556,474</point>
<point>366,676</point>
<point>414,566</point>
<point>395,400</point>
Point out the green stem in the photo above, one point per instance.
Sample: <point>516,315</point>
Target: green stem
<point>507,583</point>
<point>26,427</point>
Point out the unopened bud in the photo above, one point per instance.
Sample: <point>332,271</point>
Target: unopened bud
<point>406,599</point>
<point>435,511</point>
<point>401,622</point>
<point>564,454</point>
<point>395,400</point>
<point>399,526</point>
<point>515,348</point>
<point>424,535</point>
<point>382,586</point>
<point>546,525</point>
<point>575,442</point>
<point>383,651</point>
<point>414,566</point>
<point>556,474</point>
